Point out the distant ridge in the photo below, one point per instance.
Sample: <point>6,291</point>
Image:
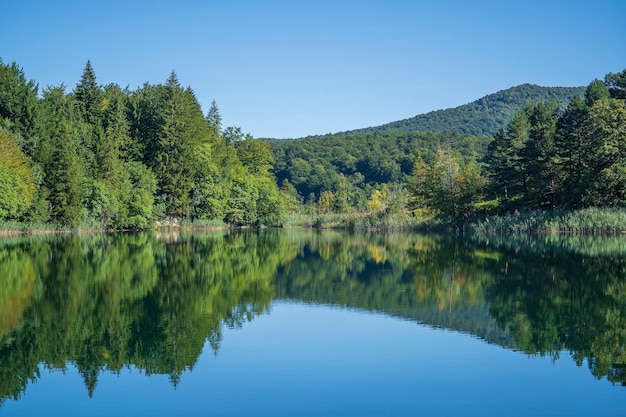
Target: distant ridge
<point>484,116</point>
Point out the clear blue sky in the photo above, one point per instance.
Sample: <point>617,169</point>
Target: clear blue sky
<point>295,68</point>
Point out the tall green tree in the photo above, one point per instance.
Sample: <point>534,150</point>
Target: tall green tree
<point>184,127</point>
<point>145,118</point>
<point>542,190</point>
<point>17,185</point>
<point>596,90</point>
<point>64,172</point>
<point>18,103</point>
<point>573,150</point>
<point>449,186</point>
<point>88,96</point>
<point>606,178</point>
<point>506,161</point>
<point>214,119</point>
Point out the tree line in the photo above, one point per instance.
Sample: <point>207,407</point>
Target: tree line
<point>360,172</point>
<point>106,157</point>
<point>102,156</point>
<point>553,154</point>
<point>543,160</point>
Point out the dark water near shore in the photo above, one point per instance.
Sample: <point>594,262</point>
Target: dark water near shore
<point>298,322</point>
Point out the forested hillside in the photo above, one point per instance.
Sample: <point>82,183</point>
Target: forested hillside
<point>546,157</point>
<point>351,167</point>
<point>481,117</point>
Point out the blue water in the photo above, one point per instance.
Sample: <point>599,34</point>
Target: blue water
<point>315,360</point>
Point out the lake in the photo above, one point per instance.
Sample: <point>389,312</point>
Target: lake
<point>310,323</point>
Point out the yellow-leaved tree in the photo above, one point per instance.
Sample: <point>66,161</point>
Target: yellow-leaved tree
<point>17,185</point>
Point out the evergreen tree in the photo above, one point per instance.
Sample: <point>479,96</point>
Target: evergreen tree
<point>214,119</point>
<point>145,118</point>
<point>540,162</point>
<point>573,149</point>
<point>89,96</point>
<point>64,179</point>
<point>18,102</point>
<point>507,162</point>
<point>183,128</point>
<point>64,173</point>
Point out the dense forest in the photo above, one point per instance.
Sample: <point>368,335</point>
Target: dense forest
<point>106,157</point>
<point>545,158</point>
<point>346,170</point>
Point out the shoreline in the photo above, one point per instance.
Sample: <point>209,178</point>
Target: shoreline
<point>607,221</point>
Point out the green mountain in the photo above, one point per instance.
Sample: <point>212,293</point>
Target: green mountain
<point>481,117</point>
<point>350,162</point>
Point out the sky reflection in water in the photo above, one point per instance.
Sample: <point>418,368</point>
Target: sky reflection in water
<point>305,353</point>
<point>317,360</point>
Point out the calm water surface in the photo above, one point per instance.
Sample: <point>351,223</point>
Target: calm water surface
<point>312,324</point>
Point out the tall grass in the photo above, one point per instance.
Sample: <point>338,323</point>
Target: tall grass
<point>11,227</point>
<point>381,221</point>
<point>587,221</point>
<point>202,224</point>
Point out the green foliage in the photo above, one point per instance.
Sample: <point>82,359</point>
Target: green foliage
<point>450,187</point>
<point>482,117</point>
<point>94,155</point>
<point>17,185</point>
<point>606,177</point>
<point>183,127</point>
<point>595,91</point>
<point>616,84</point>
<point>355,165</point>
<point>546,160</point>
<point>18,102</point>
<point>107,158</point>
<point>88,96</point>
<point>59,156</point>
<point>103,303</point>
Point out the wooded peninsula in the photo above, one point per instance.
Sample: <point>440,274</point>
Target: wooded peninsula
<point>106,157</point>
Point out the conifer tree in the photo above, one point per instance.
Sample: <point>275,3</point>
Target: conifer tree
<point>573,150</point>
<point>89,95</point>
<point>183,129</point>
<point>214,119</point>
<point>18,102</point>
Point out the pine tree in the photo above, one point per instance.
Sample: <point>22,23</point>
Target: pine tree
<point>89,96</point>
<point>540,161</point>
<point>214,119</point>
<point>18,102</point>
<point>573,149</point>
<point>64,173</point>
<point>183,129</point>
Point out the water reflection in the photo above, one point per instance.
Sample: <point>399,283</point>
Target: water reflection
<point>107,302</point>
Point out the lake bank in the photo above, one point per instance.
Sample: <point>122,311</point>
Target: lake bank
<point>586,221</point>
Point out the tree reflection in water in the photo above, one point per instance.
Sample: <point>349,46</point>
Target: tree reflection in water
<point>106,302</point>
